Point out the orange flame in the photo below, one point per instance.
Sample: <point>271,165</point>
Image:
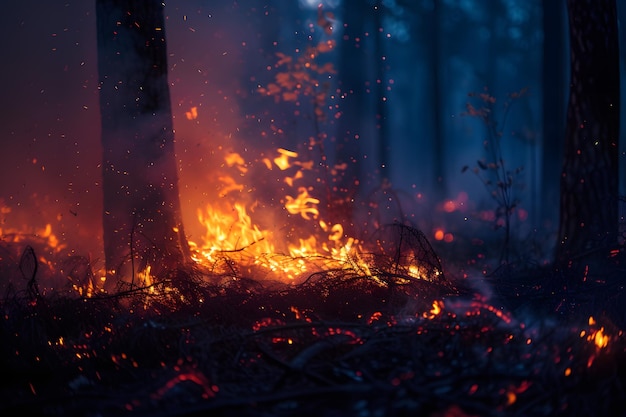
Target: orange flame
<point>232,237</point>
<point>302,204</point>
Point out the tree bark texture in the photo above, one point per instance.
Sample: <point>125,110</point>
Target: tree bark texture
<point>589,179</point>
<point>142,217</point>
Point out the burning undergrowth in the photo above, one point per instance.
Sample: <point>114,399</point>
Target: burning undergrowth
<point>296,315</point>
<point>345,341</point>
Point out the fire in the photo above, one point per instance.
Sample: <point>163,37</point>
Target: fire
<point>238,237</point>
<point>229,231</point>
<point>44,234</point>
<point>233,238</point>
<point>303,204</point>
<point>234,235</point>
<point>436,310</point>
<point>192,114</point>
<point>282,161</point>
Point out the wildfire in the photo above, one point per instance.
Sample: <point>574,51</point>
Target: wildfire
<point>233,238</point>
<point>44,234</point>
<point>233,243</point>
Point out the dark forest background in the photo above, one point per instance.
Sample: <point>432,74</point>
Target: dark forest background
<point>391,102</point>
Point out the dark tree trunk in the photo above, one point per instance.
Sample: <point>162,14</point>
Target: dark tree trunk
<point>353,67</point>
<point>554,102</point>
<point>142,218</point>
<point>589,181</point>
<point>440,191</point>
<point>381,104</point>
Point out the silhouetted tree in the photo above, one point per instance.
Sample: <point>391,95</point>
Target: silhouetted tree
<point>143,229</point>
<point>353,130</point>
<point>589,181</point>
<point>434,49</point>
<point>380,83</point>
<point>554,103</point>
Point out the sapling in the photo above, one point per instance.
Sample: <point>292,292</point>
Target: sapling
<point>499,180</point>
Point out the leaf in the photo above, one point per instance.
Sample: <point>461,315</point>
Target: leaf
<point>285,80</point>
<point>290,96</point>
<point>327,68</point>
<point>272,89</point>
<point>283,59</point>
<point>323,47</point>
<point>465,168</point>
<point>481,164</point>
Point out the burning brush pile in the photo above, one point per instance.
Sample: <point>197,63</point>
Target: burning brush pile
<point>382,333</point>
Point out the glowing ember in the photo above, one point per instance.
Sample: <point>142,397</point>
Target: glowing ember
<point>597,336</point>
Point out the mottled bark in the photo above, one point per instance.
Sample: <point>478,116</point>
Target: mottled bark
<point>589,180</point>
<point>142,219</point>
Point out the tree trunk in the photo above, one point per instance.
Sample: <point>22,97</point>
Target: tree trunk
<point>381,104</point>
<point>142,221</point>
<point>589,180</point>
<point>351,134</point>
<point>554,85</point>
<point>440,191</point>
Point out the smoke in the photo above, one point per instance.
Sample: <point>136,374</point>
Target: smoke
<point>50,123</point>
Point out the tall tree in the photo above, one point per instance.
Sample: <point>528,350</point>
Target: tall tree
<point>379,86</point>
<point>353,128</point>
<point>142,220</point>
<point>589,180</point>
<point>554,103</point>
<point>434,48</point>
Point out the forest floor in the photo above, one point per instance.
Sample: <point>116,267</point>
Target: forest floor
<point>339,346</point>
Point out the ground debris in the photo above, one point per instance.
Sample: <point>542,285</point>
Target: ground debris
<point>325,348</point>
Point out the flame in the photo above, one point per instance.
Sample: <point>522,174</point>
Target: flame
<point>282,161</point>
<point>44,234</point>
<point>230,233</point>
<point>233,238</point>
<point>192,114</point>
<point>436,309</point>
<point>303,204</point>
